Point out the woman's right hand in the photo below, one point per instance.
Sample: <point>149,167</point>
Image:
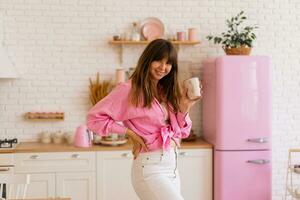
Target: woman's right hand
<point>185,103</point>
<point>138,143</point>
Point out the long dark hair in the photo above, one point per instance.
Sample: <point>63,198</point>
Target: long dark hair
<point>142,92</point>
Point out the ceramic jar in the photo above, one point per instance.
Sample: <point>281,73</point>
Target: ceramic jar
<point>180,36</point>
<point>58,137</point>
<point>192,34</point>
<point>45,137</point>
<point>69,136</point>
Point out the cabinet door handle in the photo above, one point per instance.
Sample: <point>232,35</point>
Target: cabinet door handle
<point>258,161</point>
<point>75,155</point>
<point>258,140</point>
<point>34,157</point>
<point>126,155</point>
<point>183,153</point>
<point>4,169</point>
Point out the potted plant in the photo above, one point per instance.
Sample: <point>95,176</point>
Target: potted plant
<point>237,40</point>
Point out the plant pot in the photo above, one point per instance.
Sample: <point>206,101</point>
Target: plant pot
<point>238,51</point>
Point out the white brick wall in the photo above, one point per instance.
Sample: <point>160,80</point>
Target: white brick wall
<point>58,44</point>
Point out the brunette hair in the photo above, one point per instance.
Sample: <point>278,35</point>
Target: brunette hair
<point>142,92</point>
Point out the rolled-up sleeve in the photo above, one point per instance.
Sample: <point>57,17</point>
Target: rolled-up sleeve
<point>182,119</point>
<point>181,124</point>
<point>185,124</point>
<point>105,117</point>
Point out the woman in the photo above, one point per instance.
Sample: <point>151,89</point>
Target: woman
<point>155,116</point>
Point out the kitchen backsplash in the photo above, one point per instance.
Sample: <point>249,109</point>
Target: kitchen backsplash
<point>57,45</point>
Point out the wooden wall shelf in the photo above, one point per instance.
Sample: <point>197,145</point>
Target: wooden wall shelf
<point>121,44</point>
<point>45,115</point>
<point>129,42</point>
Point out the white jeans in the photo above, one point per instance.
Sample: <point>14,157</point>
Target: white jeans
<point>155,175</point>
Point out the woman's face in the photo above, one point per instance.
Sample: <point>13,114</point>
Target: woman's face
<point>159,69</point>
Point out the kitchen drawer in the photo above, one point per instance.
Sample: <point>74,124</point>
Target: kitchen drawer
<point>55,162</point>
<point>6,163</point>
<point>6,159</point>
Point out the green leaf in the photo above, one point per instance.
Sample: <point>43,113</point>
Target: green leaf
<point>209,37</point>
<point>248,43</point>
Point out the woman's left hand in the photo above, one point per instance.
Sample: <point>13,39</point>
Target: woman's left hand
<point>186,103</point>
<point>138,143</point>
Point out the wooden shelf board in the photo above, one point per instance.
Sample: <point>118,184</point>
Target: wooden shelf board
<point>294,150</point>
<point>45,115</point>
<point>147,42</point>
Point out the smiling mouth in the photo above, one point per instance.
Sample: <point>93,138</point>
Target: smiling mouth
<point>160,73</point>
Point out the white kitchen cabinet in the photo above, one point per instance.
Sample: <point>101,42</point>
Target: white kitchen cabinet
<point>196,168</point>
<point>106,175</point>
<point>77,186</point>
<point>59,174</point>
<point>114,176</point>
<point>41,186</point>
<point>114,181</point>
<point>55,162</point>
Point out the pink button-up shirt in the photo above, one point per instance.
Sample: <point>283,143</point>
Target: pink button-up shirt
<point>148,123</point>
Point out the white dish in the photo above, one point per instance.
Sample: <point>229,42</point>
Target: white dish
<point>113,142</point>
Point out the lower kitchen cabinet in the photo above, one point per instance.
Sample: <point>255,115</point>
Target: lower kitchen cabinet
<point>114,181</point>
<point>196,169</point>
<point>41,185</point>
<point>59,174</point>
<point>106,175</point>
<point>77,186</point>
<point>114,176</point>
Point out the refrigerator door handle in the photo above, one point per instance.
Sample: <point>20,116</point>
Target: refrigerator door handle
<point>258,161</point>
<point>258,140</point>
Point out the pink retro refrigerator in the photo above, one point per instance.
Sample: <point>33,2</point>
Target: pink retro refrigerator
<point>237,121</point>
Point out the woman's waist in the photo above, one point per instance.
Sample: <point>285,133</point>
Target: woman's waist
<point>159,152</point>
<point>158,148</point>
<point>159,144</point>
<point>173,143</point>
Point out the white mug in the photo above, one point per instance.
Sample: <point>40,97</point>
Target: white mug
<point>193,87</point>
